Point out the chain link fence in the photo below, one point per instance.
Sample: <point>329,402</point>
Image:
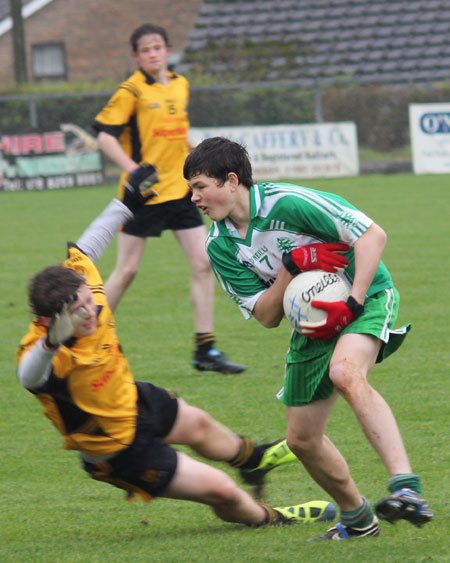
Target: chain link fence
<point>380,113</point>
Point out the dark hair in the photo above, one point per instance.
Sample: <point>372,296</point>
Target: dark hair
<point>49,288</point>
<point>147,29</point>
<point>217,157</point>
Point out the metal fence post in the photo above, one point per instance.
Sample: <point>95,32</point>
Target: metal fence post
<point>318,102</point>
<point>32,111</point>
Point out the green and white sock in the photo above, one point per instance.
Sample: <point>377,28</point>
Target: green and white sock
<point>358,518</point>
<point>405,481</point>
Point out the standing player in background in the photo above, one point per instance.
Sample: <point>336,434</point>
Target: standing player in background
<point>146,121</point>
<point>264,234</point>
<point>72,361</point>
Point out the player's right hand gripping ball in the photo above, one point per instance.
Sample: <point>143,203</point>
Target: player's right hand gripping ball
<point>139,187</point>
<point>320,256</point>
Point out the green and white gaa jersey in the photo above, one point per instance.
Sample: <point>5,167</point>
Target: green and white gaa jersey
<point>282,217</point>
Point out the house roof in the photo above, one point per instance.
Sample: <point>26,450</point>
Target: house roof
<point>366,41</point>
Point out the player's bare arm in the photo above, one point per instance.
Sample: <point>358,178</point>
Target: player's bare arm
<point>113,150</point>
<point>269,307</point>
<point>368,251</point>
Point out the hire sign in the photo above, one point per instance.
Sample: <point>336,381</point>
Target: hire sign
<point>50,160</point>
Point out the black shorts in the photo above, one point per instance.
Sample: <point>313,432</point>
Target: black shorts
<point>175,215</point>
<point>148,465</point>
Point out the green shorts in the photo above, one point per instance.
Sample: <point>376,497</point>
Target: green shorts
<point>307,375</point>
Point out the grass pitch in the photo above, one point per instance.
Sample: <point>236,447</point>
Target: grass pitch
<point>51,511</point>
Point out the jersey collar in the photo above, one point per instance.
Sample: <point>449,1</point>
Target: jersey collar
<point>150,80</point>
<point>256,198</point>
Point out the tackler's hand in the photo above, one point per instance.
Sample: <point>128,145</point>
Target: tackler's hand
<point>64,323</point>
<point>340,315</point>
<point>320,256</point>
<point>139,187</point>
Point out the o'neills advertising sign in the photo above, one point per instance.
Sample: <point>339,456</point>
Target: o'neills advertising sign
<point>50,160</point>
<point>294,151</point>
<point>430,138</point>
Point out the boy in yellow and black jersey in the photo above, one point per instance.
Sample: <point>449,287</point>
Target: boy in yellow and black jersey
<point>151,122</point>
<point>90,393</point>
<point>146,121</point>
<point>71,360</point>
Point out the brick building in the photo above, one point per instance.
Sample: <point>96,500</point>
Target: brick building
<point>365,41</point>
<point>87,40</point>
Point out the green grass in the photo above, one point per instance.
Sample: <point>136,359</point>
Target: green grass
<point>367,154</point>
<point>51,511</point>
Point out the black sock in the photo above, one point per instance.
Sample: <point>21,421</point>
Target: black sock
<point>248,455</point>
<point>271,517</point>
<point>204,341</point>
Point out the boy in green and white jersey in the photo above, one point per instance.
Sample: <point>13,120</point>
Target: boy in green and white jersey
<point>261,236</point>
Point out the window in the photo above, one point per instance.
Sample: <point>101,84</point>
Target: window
<point>49,61</point>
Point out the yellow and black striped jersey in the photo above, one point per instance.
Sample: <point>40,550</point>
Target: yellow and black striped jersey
<point>151,122</point>
<point>90,396</point>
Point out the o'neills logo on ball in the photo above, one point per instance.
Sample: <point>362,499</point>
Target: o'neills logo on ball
<point>325,281</point>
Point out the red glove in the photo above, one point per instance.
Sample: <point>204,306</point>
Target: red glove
<point>340,315</point>
<point>321,256</point>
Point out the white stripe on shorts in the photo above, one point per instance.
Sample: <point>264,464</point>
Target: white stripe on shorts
<point>390,302</point>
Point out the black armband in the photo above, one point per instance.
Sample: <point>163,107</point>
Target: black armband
<point>356,308</point>
<point>289,264</point>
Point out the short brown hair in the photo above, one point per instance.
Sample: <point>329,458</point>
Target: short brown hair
<point>147,29</point>
<point>51,287</point>
<point>216,157</point>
